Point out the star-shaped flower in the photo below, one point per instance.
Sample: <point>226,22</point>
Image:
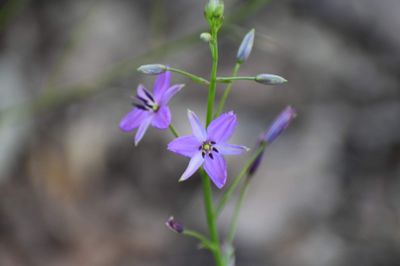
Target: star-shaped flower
<point>207,147</point>
<point>151,109</point>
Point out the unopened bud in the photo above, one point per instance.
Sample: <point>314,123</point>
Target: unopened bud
<point>214,12</point>
<point>152,69</point>
<point>174,226</point>
<point>281,122</point>
<point>256,163</point>
<point>205,36</point>
<point>245,47</point>
<point>270,79</point>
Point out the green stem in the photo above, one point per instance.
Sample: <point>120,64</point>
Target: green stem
<point>230,79</point>
<point>211,219</point>
<point>207,192</point>
<point>173,131</point>
<point>213,77</point>
<point>204,240</point>
<point>227,91</point>
<point>193,77</point>
<point>228,194</point>
<point>238,206</point>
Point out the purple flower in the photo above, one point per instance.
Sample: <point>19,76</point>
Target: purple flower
<point>207,147</point>
<point>280,124</point>
<point>151,109</point>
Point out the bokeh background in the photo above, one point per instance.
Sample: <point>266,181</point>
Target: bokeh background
<point>75,191</point>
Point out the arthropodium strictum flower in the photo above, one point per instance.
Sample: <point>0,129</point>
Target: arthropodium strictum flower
<point>280,123</point>
<point>206,147</point>
<point>174,225</point>
<point>151,108</point>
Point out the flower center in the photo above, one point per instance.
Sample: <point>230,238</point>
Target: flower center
<point>207,149</point>
<point>148,103</point>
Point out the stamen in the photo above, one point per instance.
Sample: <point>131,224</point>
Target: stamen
<point>149,95</point>
<point>211,156</point>
<point>215,149</point>
<point>142,99</point>
<point>212,142</point>
<point>139,106</point>
<point>203,154</point>
<point>200,148</point>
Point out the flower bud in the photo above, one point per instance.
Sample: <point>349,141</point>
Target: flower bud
<point>214,13</point>
<point>256,163</point>
<point>205,36</point>
<point>245,47</point>
<point>270,79</point>
<point>152,69</point>
<point>174,226</point>
<point>280,124</point>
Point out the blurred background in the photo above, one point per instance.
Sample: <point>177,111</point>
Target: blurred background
<point>75,191</point>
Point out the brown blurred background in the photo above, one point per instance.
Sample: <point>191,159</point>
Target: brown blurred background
<point>75,191</point>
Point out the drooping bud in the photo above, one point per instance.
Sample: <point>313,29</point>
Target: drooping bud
<point>270,79</point>
<point>245,47</point>
<point>152,69</point>
<point>205,36</point>
<point>174,226</point>
<point>281,122</point>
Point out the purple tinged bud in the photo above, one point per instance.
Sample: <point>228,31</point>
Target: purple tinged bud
<point>152,69</point>
<point>280,124</point>
<point>254,166</point>
<point>174,226</point>
<point>270,79</point>
<point>245,47</point>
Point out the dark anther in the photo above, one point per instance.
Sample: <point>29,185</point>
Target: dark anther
<point>212,142</point>
<point>203,154</point>
<point>200,148</point>
<point>148,95</point>
<point>142,99</point>
<point>210,155</point>
<point>139,106</point>
<point>215,149</point>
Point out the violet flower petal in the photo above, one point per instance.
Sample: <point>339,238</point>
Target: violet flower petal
<point>194,164</point>
<point>186,145</point>
<point>169,93</point>
<point>229,149</point>
<point>221,128</point>
<point>143,127</point>
<point>216,169</point>
<point>132,119</point>
<point>162,118</point>
<point>161,85</point>
<point>198,130</point>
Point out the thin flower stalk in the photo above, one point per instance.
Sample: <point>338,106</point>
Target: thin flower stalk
<point>227,90</point>
<point>236,181</point>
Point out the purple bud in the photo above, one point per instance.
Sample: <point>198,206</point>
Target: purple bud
<point>245,47</point>
<point>153,69</point>
<point>270,79</point>
<point>280,124</point>
<point>174,226</point>
<point>254,166</point>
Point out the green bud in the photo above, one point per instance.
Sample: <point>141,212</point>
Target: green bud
<point>205,36</point>
<point>152,69</point>
<point>270,79</point>
<point>214,13</point>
